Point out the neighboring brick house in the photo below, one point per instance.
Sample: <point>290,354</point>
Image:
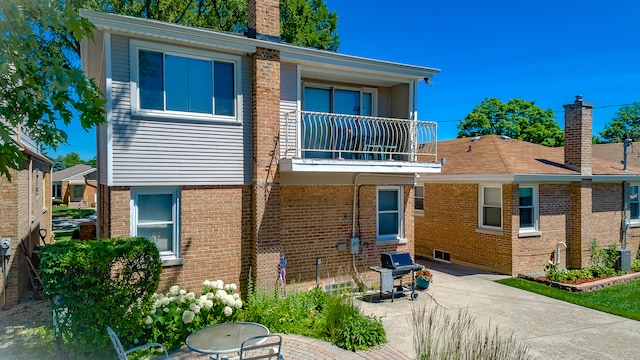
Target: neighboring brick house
<point>25,217</point>
<point>504,205</point>
<point>246,149</point>
<point>76,186</point>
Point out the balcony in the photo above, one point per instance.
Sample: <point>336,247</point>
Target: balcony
<point>313,141</point>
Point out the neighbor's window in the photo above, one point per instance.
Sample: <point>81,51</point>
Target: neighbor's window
<point>37,184</point>
<point>634,205</point>
<point>169,82</point>
<point>419,198</point>
<point>490,212</point>
<point>390,216</point>
<point>154,216</point>
<point>528,206</point>
<point>78,192</point>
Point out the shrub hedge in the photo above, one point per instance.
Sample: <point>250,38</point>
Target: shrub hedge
<point>99,283</point>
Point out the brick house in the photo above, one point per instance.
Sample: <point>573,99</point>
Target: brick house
<point>505,205</point>
<point>25,217</point>
<point>76,186</point>
<point>232,151</point>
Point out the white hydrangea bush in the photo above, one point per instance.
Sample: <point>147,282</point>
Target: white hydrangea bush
<point>178,313</point>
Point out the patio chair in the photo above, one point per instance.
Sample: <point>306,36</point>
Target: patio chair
<point>122,353</point>
<point>262,347</point>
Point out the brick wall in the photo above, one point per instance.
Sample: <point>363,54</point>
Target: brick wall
<point>453,228</point>
<point>215,237</point>
<point>316,218</point>
<point>120,213</point>
<point>532,253</point>
<point>9,228</point>
<point>450,223</point>
<point>266,188</point>
<point>23,213</point>
<point>264,16</point>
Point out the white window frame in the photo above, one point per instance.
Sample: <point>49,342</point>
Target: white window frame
<point>481,206</point>
<point>635,222</point>
<point>535,206</point>
<point>400,231</point>
<point>416,209</point>
<point>136,45</point>
<point>175,213</point>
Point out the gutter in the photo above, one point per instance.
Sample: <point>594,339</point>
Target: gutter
<point>242,44</point>
<point>523,178</point>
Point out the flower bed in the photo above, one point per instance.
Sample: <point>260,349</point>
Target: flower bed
<point>585,284</point>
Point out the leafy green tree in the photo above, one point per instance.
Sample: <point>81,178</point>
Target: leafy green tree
<point>625,124</point>
<point>58,163</point>
<point>308,23</point>
<point>518,119</point>
<point>41,82</point>
<point>93,162</point>
<point>72,159</point>
<point>302,22</point>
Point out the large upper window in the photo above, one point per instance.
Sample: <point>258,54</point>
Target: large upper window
<point>390,215</point>
<point>154,215</point>
<point>528,206</point>
<point>634,204</point>
<point>171,81</point>
<point>350,101</point>
<point>490,210</point>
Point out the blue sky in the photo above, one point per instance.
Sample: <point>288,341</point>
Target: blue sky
<point>546,51</point>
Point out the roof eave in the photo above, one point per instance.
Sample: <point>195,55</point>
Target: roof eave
<point>238,43</point>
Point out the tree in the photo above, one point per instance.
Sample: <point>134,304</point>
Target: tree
<point>40,77</point>
<point>518,119</point>
<point>625,124</point>
<point>72,159</point>
<point>41,81</point>
<point>308,23</point>
<point>302,22</point>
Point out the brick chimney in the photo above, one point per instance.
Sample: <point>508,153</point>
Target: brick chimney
<point>264,20</point>
<point>578,135</point>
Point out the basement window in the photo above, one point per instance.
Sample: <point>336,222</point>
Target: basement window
<point>442,255</point>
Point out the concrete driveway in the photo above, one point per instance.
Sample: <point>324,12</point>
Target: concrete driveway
<point>552,329</point>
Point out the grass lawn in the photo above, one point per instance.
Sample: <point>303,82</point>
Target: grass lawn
<point>620,299</point>
<point>65,212</point>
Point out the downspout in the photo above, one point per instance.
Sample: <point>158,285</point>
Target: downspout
<point>625,197</point>
<point>625,220</point>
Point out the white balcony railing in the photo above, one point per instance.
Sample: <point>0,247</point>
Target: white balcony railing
<point>313,135</point>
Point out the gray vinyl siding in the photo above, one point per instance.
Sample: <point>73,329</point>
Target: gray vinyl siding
<point>400,101</point>
<point>384,102</point>
<point>288,103</point>
<point>153,151</point>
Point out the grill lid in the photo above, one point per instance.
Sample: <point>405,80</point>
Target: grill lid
<point>396,259</point>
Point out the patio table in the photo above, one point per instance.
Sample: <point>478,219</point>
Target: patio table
<point>223,338</point>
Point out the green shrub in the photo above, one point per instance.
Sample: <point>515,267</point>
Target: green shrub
<point>360,333</point>
<point>635,265</point>
<point>315,313</point>
<point>57,202</point>
<point>178,313</point>
<point>297,313</point>
<point>99,283</point>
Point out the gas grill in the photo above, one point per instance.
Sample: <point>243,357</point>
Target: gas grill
<point>395,265</point>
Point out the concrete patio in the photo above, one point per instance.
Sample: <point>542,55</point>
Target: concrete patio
<point>552,329</point>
